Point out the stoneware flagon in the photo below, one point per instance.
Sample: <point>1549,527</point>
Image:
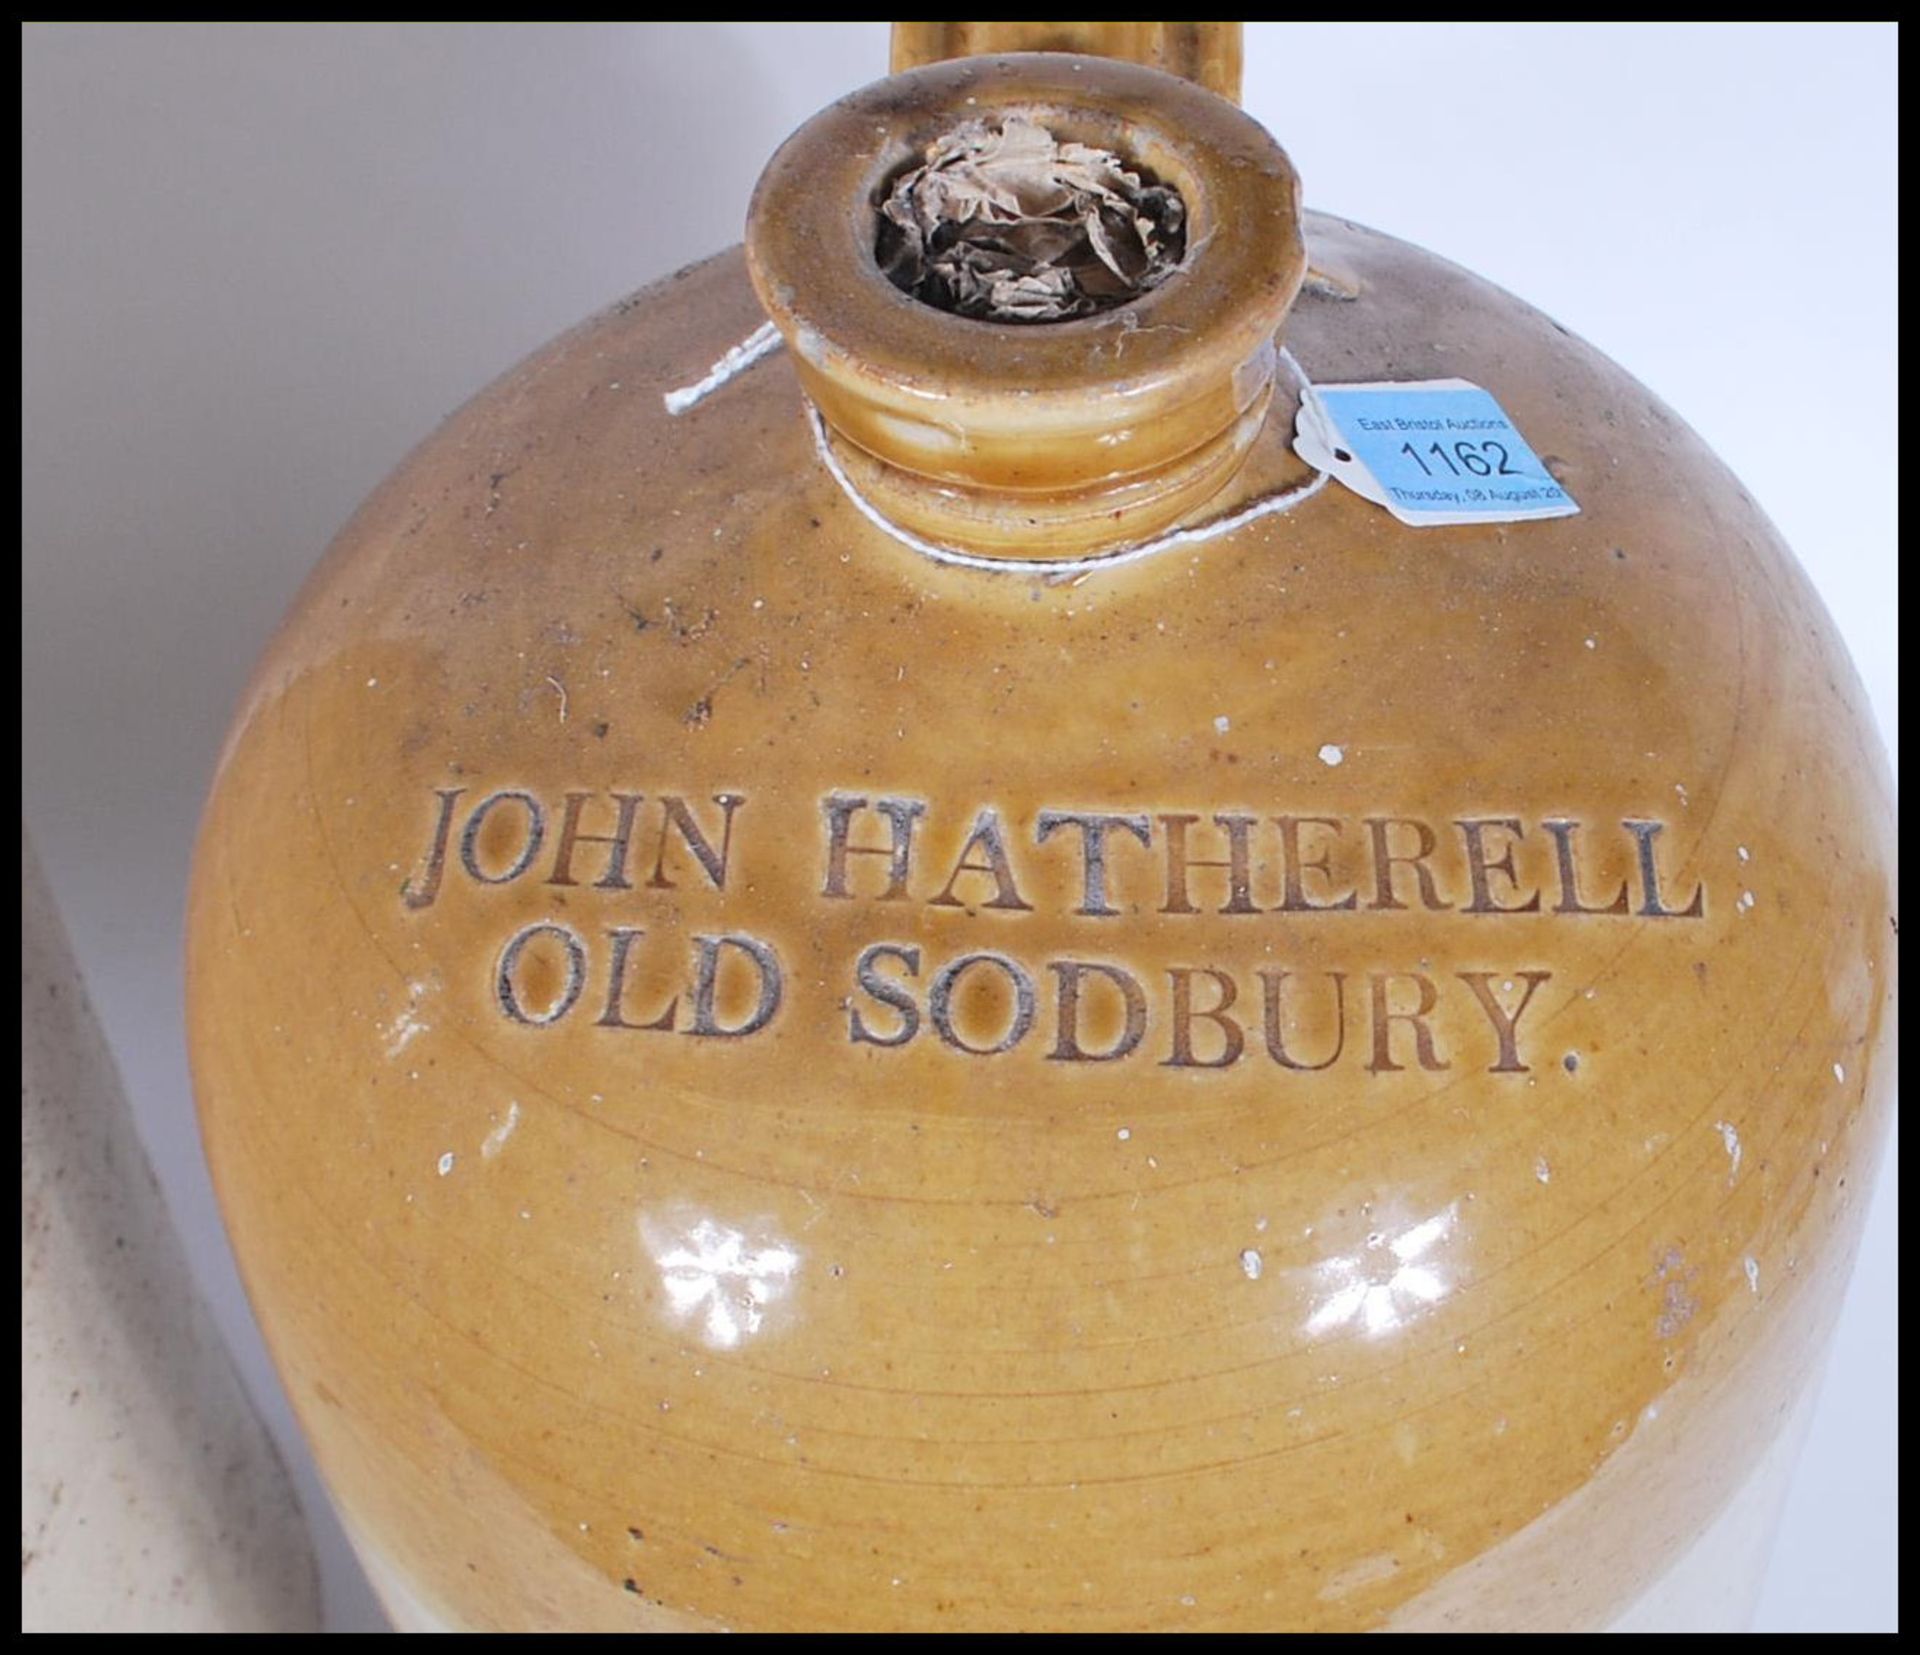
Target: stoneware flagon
<point>151,1496</point>
<point>921,981</point>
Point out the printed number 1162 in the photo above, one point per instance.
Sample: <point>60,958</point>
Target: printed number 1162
<point>1475,459</point>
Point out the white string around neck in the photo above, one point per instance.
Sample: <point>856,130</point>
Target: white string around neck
<point>765,340</point>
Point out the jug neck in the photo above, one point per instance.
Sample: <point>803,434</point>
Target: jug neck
<point>1025,440</point>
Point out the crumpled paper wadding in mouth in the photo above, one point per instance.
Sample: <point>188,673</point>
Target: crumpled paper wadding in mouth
<point>1008,224</point>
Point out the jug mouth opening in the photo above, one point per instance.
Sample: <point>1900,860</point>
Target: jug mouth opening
<point>1009,217</point>
<point>1035,437</point>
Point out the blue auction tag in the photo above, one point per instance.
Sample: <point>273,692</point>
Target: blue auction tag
<point>1430,451</point>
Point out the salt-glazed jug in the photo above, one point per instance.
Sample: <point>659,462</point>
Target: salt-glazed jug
<point>1065,902</point>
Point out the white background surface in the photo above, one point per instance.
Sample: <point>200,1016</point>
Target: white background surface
<point>262,261</point>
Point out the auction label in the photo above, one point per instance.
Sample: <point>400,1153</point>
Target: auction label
<point>1431,451</point>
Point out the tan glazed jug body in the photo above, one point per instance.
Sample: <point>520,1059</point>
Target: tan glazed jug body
<point>888,969</point>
